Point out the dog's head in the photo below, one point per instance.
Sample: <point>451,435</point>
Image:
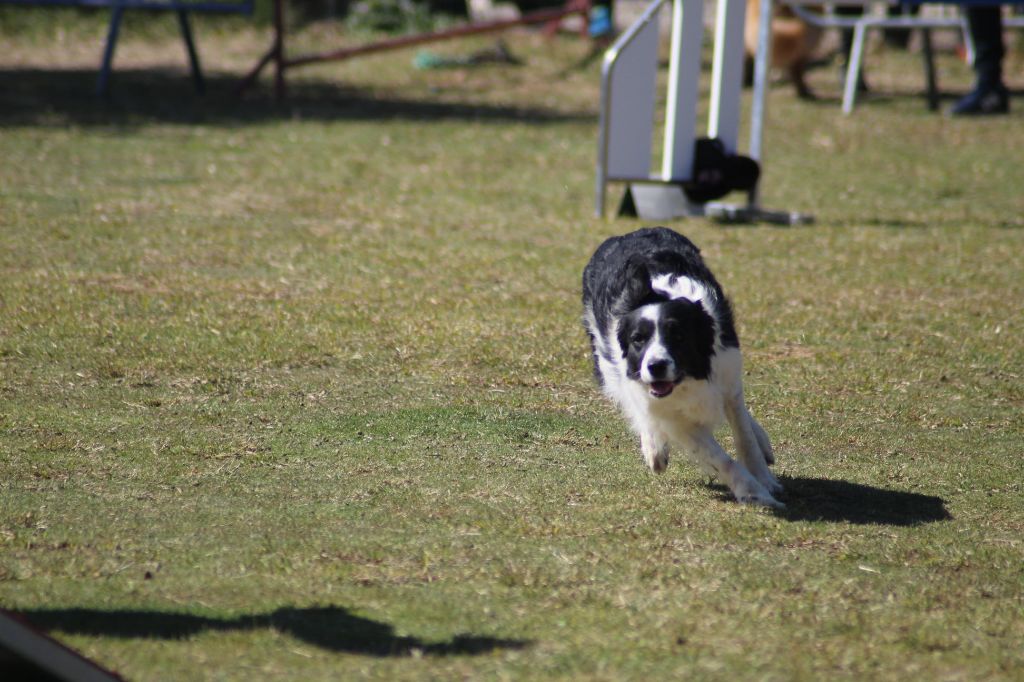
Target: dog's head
<point>665,343</point>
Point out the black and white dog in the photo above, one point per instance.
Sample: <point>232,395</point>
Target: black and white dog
<point>666,351</point>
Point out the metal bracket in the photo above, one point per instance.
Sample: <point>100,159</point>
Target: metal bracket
<point>661,201</point>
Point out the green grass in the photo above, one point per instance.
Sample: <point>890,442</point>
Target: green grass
<point>300,391</point>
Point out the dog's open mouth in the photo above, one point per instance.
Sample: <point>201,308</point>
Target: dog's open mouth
<point>660,389</point>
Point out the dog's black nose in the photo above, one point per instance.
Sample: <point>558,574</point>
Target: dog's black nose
<point>658,369</point>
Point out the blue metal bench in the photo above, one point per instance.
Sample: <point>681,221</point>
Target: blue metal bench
<point>117,8</point>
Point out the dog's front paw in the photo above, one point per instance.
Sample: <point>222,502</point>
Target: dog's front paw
<point>753,492</point>
<point>655,454</point>
<point>755,462</point>
<point>658,462</point>
<point>771,484</point>
<point>761,500</point>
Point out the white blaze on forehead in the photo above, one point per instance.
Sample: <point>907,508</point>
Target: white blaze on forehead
<point>650,312</point>
<point>656,350</point>
<point>678,286</point>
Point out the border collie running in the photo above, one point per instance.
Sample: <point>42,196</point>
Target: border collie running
<point>666,351</point>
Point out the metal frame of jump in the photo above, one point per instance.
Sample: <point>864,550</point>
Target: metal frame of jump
<point>628,98</point>
<point>282,63</point>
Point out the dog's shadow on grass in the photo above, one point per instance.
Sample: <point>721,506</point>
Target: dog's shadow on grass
<point>819,499</point>
<point>332,628</point>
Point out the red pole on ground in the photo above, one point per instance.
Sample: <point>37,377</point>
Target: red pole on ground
<point>538,17</point>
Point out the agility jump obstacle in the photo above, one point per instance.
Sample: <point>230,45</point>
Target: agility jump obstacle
<point>276,53</point>
<point>627,113</point>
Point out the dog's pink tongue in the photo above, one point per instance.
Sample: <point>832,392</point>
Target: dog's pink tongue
<point>660,389</point>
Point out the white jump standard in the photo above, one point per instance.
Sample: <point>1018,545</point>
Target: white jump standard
<point>628,96</point>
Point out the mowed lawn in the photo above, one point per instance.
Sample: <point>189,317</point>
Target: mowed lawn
<point>300,391</point>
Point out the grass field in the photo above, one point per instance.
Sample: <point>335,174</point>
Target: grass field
<point>300,391</point>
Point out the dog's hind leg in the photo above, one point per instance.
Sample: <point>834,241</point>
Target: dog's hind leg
<point>762,440</point>
<point>752,445</point>
<point>797,72</point>
<point>701,445</point>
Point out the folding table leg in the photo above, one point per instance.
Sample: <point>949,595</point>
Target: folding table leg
<point>193,56</point>
<point>928,55</point>
<point>103,80</point>
<point>853,68</point>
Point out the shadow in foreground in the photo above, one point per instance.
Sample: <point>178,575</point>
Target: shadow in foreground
<point>331,627</point>
<point>819,499</point>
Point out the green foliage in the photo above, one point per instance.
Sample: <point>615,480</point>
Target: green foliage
<point>390,16</point>
<point>45,22</point>
<point>300,391</point>
<point>82,23</point>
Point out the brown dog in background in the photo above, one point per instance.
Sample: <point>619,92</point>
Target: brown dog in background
<point>793,43</point>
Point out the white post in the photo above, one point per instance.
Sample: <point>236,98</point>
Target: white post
<point>683,89</point>
<point>758,105</point>
<point>628,84</point>
<point>727,73</point>
<point>632,85</point>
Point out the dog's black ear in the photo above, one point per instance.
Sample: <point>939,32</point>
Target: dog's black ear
<point>637,282</point>
<point>635,285</point>
<point>625,331</point>
<point>700,327</point>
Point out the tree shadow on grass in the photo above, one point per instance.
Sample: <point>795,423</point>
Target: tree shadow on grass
<point>818,499</point>
<point>331,627</point>
<point>58,97</point>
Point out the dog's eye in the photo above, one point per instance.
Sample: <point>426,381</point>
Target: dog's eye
<point>636,340</point>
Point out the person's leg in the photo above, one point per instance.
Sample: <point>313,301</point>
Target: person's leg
<point>989,96</point>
